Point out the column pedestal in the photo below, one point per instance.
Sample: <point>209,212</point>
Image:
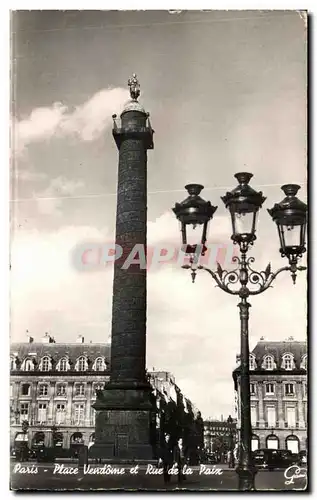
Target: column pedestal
<point>122,429</point>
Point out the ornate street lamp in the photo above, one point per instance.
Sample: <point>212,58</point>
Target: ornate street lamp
<point>290,216</point>
<point>193,212</point>
<point>244,203</point>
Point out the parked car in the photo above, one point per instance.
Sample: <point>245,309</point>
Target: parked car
<point>211,458</point>
<point>269,459</point>
<point>302,458</point>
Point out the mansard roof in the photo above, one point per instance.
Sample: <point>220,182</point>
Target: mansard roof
<point>57,351</point>
<point>277,350</point>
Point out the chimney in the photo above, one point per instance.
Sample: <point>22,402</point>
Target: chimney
<point>47,339</point>
<point>80,339</point>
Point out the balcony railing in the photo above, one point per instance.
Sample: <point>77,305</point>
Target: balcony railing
<point>137,124</point>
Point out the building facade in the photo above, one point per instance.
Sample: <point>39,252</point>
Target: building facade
<point>53,388</point>
<point>219,435</point>
<point>278,394</point>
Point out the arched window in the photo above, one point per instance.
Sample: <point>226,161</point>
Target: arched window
<point>45,364</point>
<point>272,442</point>
<point>268,363</point>
<point>304,362</point>
<point>292,443</point>
<point>288,362</point>
<point>99,365</point>
<point>252,362</point>
<point>81,364</point>
<point>28,365</point>
<point>12,363</point>
<point>63,365</point>
<point>255,442</point>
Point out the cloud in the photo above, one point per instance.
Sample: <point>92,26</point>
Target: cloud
<point>49,200</point>
<point>87,121</point>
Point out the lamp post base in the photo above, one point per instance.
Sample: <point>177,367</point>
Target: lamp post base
<point>246,475</point>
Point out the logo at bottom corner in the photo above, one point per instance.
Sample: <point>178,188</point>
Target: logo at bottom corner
<point>296,476</point>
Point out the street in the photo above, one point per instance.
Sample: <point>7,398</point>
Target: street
<point>68,477</point>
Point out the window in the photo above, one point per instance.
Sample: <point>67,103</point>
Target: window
<point>97,387</point>
<point>42,412</point>
<point>24,412</point>
<point>271,416</point>
<point>12,364</point>
<point>25,390</point>
<point>268,363</point>
<point>304,389</point>
<point>61,390</point>
<point>79,415</point>
<point>45,364</point>
<point>79,389</point>
<point>252,364</point>
<point>60,413</point>
<point>63,365</point>
<point>43,390</point>
<point>289,389</point>
<point>254,417</point>
<point>28,365</point>
<point>269,389</point>
<point>291,417</point>
<point>81,364</point>
<point>287,362</point>
<point>11,390</point>
<point>252,389</point>
<point>99,365</point>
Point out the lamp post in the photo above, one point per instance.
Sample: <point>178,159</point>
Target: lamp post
<point>230,424</point>
<point>244,203</point>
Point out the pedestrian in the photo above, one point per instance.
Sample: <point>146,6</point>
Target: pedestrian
<point>166,458</point>
<point>180,459</point>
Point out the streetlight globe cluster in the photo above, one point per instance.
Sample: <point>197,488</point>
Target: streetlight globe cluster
<point>244,203</point>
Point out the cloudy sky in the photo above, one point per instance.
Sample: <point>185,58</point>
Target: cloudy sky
<point>226,92</point>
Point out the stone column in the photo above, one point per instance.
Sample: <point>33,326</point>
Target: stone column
<point>69,403</point>
<point>261,408</point>
<point>280,409</point>
<point>88,403</point>
<point>51,412</point>
<point>301,416</point>
<point>122,426</point>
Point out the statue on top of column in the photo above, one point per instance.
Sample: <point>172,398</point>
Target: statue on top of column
<point>134,87</point>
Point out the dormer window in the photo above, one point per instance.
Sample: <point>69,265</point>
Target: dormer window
<point>288,362</point>
<point>45,364</point>
<point>99,365</point>
<point>28,365</point>
<point>268,363</point>
<point>303,364</point>
<point>81,364</point>
<point>12,363</point>
<point>252,362</point>
<point>63,365</point>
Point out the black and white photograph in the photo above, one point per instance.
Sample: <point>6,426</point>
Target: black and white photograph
<point>158,250</point>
